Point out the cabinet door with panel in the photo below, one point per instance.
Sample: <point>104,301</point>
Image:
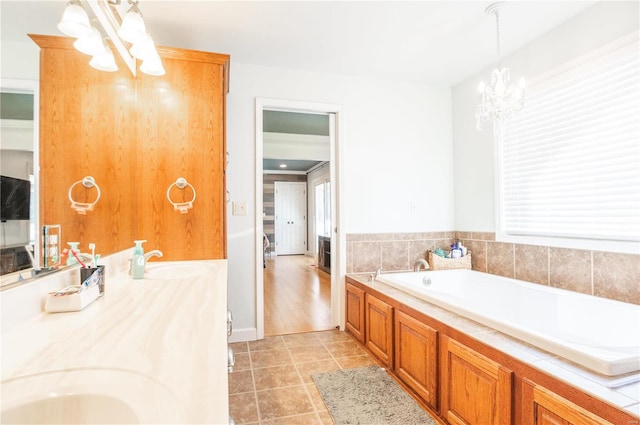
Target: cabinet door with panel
<point>379,329</point>
<point>475,390</point>
<point>544,407</point>
<point>416,359</point>
<point>355,312</point>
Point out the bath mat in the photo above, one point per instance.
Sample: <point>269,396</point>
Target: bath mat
<point>368,395</point>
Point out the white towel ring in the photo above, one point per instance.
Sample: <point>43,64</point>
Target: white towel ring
<point>183,207</point>
<point>83,207</point>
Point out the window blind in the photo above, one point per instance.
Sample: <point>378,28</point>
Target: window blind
<point>569,162</point>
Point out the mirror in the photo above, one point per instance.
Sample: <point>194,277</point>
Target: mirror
<point>19,153</point>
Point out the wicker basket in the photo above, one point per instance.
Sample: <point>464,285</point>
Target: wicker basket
<point>437,262</point>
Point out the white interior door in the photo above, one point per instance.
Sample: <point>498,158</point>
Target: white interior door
<point>290,218</point>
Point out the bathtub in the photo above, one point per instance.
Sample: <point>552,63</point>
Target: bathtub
<point>600,334</point>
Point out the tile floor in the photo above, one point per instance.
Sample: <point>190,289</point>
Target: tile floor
<point>271,382</point>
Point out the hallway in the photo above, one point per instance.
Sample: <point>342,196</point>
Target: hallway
<point>297,296</point>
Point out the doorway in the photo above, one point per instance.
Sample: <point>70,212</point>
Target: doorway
<point>307,263</point>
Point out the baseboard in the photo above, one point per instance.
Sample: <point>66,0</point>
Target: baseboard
<point>242,335</point>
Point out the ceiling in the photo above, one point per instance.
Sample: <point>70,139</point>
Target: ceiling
<point>291,165</point>
<point>435,42</point>
<point>295,123</point>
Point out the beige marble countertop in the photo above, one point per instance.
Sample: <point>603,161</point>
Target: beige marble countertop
<point>626,397</point>
<point>172,332</point>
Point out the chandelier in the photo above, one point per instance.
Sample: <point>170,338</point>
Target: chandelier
<point>128,35</point>
<point>501,99</point>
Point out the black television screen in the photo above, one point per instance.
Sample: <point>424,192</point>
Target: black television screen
<point>16,196</point>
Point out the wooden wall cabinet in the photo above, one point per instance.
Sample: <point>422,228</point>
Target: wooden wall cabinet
<point>416,356</point>
<point>135,136</point>
<point>379,329</point>
<point>354,321</point>
<point>542,406</point>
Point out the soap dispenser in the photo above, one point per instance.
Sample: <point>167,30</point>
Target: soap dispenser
<point>137,263</point>
<point>73,247</point>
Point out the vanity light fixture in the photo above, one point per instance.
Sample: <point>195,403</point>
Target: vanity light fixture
<point>75,21</point>
<point>103,59</point>
<point>128,35</point>
<point>501,99</point>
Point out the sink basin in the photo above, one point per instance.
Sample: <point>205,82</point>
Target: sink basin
<point>177,270</point>
<point>88,396</point>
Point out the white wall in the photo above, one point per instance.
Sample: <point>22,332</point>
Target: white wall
<point>473,150</point>
<point>20,60</point>
<point>397,152</point>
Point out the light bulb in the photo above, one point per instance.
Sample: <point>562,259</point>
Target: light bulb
<point>75,21</point>
<point>132,28</point>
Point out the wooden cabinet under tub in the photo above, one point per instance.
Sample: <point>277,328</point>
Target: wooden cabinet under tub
<point>379,329</point>
<point>542,406</point>
<point>416,356</point>
<point>456,376</point>
<point>474,388</point>
<point>355,312</point>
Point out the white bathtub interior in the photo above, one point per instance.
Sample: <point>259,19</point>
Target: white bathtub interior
<point>600,334</point>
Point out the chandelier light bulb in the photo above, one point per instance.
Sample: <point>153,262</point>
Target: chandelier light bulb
<point>103,59</point>
<point>75,21</point>
<point>132,28</point>
<point>89,44</point>
<point>152,66</point>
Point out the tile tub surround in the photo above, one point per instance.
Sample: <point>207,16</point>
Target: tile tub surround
<point>172,331</point>
<point>604,274</point>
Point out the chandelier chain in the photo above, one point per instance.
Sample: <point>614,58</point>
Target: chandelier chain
<point>498,35</point>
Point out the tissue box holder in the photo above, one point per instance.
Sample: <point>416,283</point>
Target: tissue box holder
<point>73,302</point>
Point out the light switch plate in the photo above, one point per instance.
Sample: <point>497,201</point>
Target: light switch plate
<point>239,208</point>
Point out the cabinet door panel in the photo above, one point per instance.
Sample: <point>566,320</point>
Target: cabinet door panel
<point>379,329</point>
<point>416,356</point>
<point>544,407</point>
<point>475,389</point>
<point>355,312</point>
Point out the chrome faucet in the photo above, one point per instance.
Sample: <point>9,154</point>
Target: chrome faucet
<point>154,253</point>
<point>420,263</point>
<point>374,276</point>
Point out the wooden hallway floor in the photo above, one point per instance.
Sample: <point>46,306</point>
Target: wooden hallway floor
<point>297,296</point>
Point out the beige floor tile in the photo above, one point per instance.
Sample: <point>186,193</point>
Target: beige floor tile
<point>281,402</point>
<point>243,408</point>
<point>334,336</point>
<point>325,418</point>
<point>316,398</point>
<point>308,419</point>
<point>241,382</point>
<point>275,377</point>
<point>312,368</point>
<point>239,347</point>
<point>268,343</point>
<point>269,358</point>
<point>309,353</point>
<point>242,362</point>
<point>344,349</point>
<point>355,361</point>
<point>303,339</point>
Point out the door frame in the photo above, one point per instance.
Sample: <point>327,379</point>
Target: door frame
<point>338,240</point>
